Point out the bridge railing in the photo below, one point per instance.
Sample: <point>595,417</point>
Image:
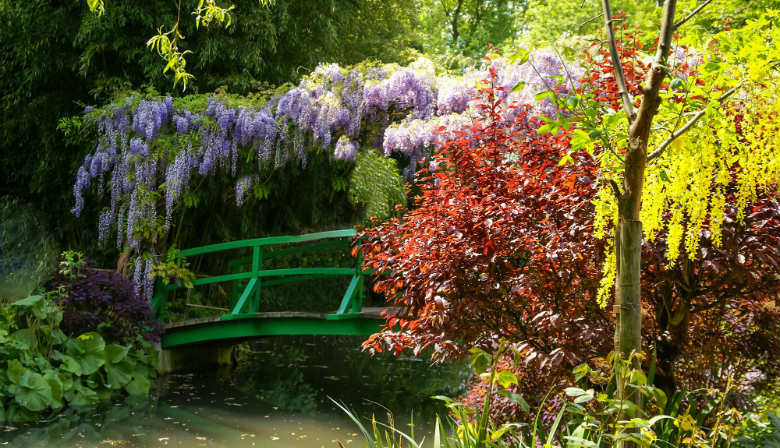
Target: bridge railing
<point>246,304</point>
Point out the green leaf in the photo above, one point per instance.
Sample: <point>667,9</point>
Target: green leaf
<point>117,377</point>
<point>88,350</point>
<point>574,391</point>
<point>565,159</point>
<point>581,371</point>
<point>584,398</point>
<point>581,140</point>
<point>546,94</point>
<point>24,337</point>
<point>15,371</point>
<point>516,398</point>
<point>83,396</point>
<point>579,442</point>
<point>56,387</point>
<point>638,378</point>
<point>545,128</point>
<point>554,427</point>
<point>480,360</point>
<point>116,353</point>
<point>66,379</point>
<point>140,384</point>
<point>34,392</point>
<point>70,365</point>
<point>506,378</point>
<point>28,301</point>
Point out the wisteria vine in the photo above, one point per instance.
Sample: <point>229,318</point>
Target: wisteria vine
<point>149,150</point>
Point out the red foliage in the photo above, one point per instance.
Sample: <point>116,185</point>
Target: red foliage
<point>501,249</point>
<point>722,309</point>
<point>495,248</point>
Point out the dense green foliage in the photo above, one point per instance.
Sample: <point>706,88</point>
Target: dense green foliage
<point>587,414</point>
<point>44,370</point>
<point>466,27</point>
<point>57,57</point>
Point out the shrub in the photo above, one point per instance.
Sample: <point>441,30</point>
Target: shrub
<point>588,413</point>
<point>101,301</point>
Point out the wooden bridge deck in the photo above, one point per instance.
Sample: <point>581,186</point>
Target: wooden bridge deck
<point>282,323</point>
<point>365,313</point>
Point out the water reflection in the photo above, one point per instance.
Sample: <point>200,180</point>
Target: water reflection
<point>277,396</point>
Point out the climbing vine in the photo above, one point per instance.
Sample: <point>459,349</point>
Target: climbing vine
<point>153,151</point>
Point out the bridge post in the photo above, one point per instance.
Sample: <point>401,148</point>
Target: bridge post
<point>357,298</point>
<point>257,266</point>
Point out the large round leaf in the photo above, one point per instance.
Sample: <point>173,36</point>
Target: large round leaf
<point>56,386</point>
<point>70,365</point>
<point>140,384</point>
<point>15,371</point>
<point>34,392</point>
<point>83,396</point>
<point>116,353</point>
<point>117,375</point>
<point>88,349</point>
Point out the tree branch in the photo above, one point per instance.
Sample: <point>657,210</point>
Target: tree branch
<point>688,125</point>
<point>693,13</point>
<point>620,79</point>
<point>665,35</point>
<point>589,20</point>
<point>615,189</point>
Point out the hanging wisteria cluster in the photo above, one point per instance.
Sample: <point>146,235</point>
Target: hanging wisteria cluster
<point>149,149</point>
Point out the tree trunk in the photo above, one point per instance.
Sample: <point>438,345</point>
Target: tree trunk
<point>628,334</point>
<point>628,238</point>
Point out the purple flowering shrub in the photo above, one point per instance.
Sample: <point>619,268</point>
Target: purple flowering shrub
<point>102,301</point>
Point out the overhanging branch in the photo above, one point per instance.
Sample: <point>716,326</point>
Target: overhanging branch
<point>689,125</point>
<point>620,79</point>
<point>693,13</point>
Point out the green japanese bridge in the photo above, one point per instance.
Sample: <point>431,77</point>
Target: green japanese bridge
<point>247,278</point>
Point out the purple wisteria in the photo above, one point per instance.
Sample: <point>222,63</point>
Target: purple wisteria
<point>149,150</point>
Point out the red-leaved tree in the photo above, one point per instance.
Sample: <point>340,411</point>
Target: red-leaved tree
<point>497,246</point>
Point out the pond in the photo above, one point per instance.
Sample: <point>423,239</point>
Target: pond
<point>277,396</point>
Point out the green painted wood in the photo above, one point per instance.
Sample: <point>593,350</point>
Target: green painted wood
<point>257,266</point>
<point>335,272</point>
<point>248,328</point>
<point>345,233</point>
<point>244,321</point>
<point>324,272</point>
<point>244,296</point>
<point>346,300</point>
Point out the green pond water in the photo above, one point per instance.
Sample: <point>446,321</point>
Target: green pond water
<point>277,396</point>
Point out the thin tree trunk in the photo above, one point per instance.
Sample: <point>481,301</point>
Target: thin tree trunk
<point>628,238</point>
<point>628,247</point>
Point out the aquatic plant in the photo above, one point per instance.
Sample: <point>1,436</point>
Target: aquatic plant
<point>42,369</point>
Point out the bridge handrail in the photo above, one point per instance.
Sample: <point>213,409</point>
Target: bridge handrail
<point>268,241</point>
<point>351,303</point>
